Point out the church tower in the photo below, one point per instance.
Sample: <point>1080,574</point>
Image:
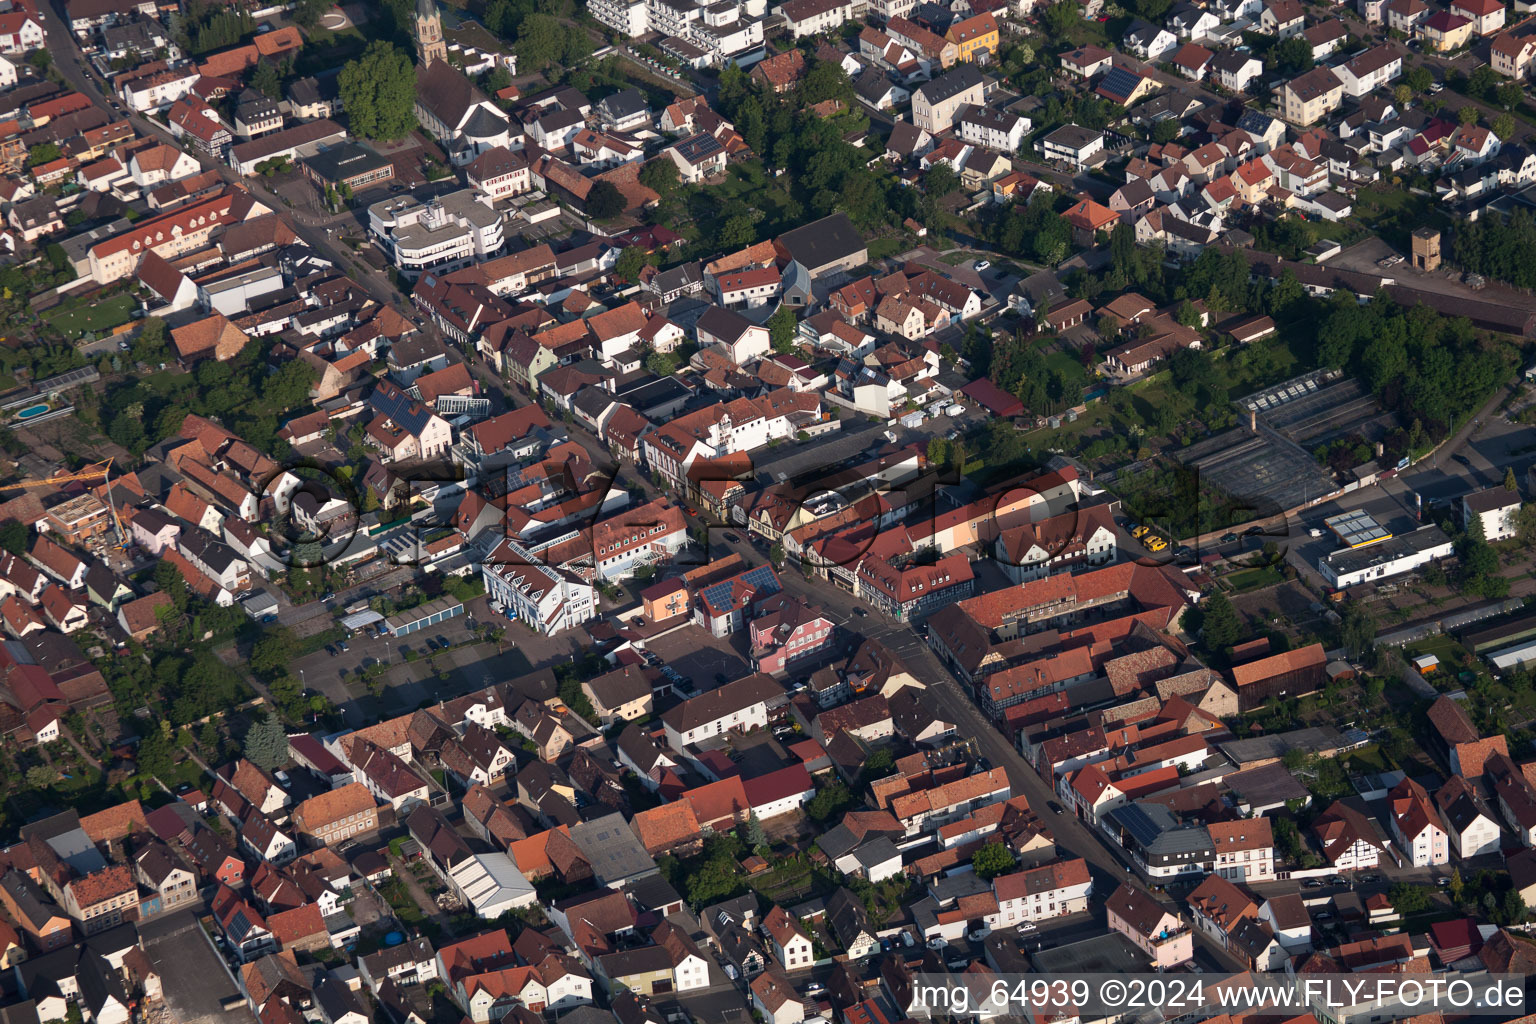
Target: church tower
<point>429,33</point>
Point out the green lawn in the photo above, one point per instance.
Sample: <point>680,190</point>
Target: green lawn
<point>325,49</point>
<point>74,319</point>
<point>885,246</point>
<point>1394,212</point>
<point>1254,578</point>
<point>1441,646</point>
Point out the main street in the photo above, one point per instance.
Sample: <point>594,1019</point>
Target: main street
<point>1073,837</point>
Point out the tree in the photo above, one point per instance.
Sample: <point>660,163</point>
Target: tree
<point>1402,94</point>
<point>1510,483</point>
<point>829,802</point>
<point>1409,899</point>
<point>1293,54</point>
<point>1468,115</point>
<point>13,537</point>
<point>496,79</point>
<point>660,176</point>
<point>40,776</point>
<point>1504,126</point>
<point>1166,131</point>
<point>992,860</point>
<point>881,762</point>
<point>756,837</point>
<point>266,745</point>
<point>1509,95</point>
<point>631,261</point>
<point>307,13</point>
<point>274,652</point>
<point>1418,78</point>
<point>605,201</point>
<point>378,90</point>
<point>737,232</point>
<point>540,41</point>
<point>1358,630</point>
<point>42,153</point>
<point>1525,524</point>
<point>168,580</point>
<point>1222,626</point>
<point>940,180</point>
<point>1457,887</point>
<point>781,329</point>
<point>267,80</point>
<point>155,754</point>
<point>1059,18</point>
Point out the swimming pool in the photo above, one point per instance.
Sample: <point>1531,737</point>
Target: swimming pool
<point>32,410</point>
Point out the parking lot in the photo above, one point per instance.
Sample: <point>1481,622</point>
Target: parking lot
<point>413,673</point>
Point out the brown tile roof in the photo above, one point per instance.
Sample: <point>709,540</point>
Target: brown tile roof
<point>1474,756</point>
<point>298,924</point>
<point>1136,907</point>
<point>212,337</point>
<point>666,827</point>
<point>1450,720</point>
<point>318,811</point>
<point>99,886</point>
<point>114,822</point>
<point>1263,669</point>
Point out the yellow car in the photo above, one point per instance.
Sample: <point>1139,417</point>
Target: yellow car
<point>1141,531</point>
<point>1156,544</point>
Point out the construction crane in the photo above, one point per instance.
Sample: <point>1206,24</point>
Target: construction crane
<point>95,471</point>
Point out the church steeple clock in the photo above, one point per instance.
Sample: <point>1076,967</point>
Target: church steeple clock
<point>430,45</point>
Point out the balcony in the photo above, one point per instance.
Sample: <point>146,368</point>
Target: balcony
<point>1164,938</point>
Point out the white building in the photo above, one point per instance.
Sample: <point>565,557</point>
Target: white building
<point>994,129</point>
<point>548,600</point>
<point>491,884</point>
<point>1416,826</point>
<point>1054,890</point>
<point>1072,144</point>
<point>629,18</point>
<point>1494,509</point>
<point>739,706</point>
<point>1370,70</point>
<point>721,31</point>
<point>1245,849</point>
<point>1470,827</point>
<point>813,17</point>
<point>445,233</point>
<point>1391,557</point>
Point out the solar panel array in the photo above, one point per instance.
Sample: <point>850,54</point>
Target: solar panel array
<point>395,404</point>
<point>761,579</point>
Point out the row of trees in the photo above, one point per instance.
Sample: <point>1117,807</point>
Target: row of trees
<point>1430,368</point>
<point>1498,248</point>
